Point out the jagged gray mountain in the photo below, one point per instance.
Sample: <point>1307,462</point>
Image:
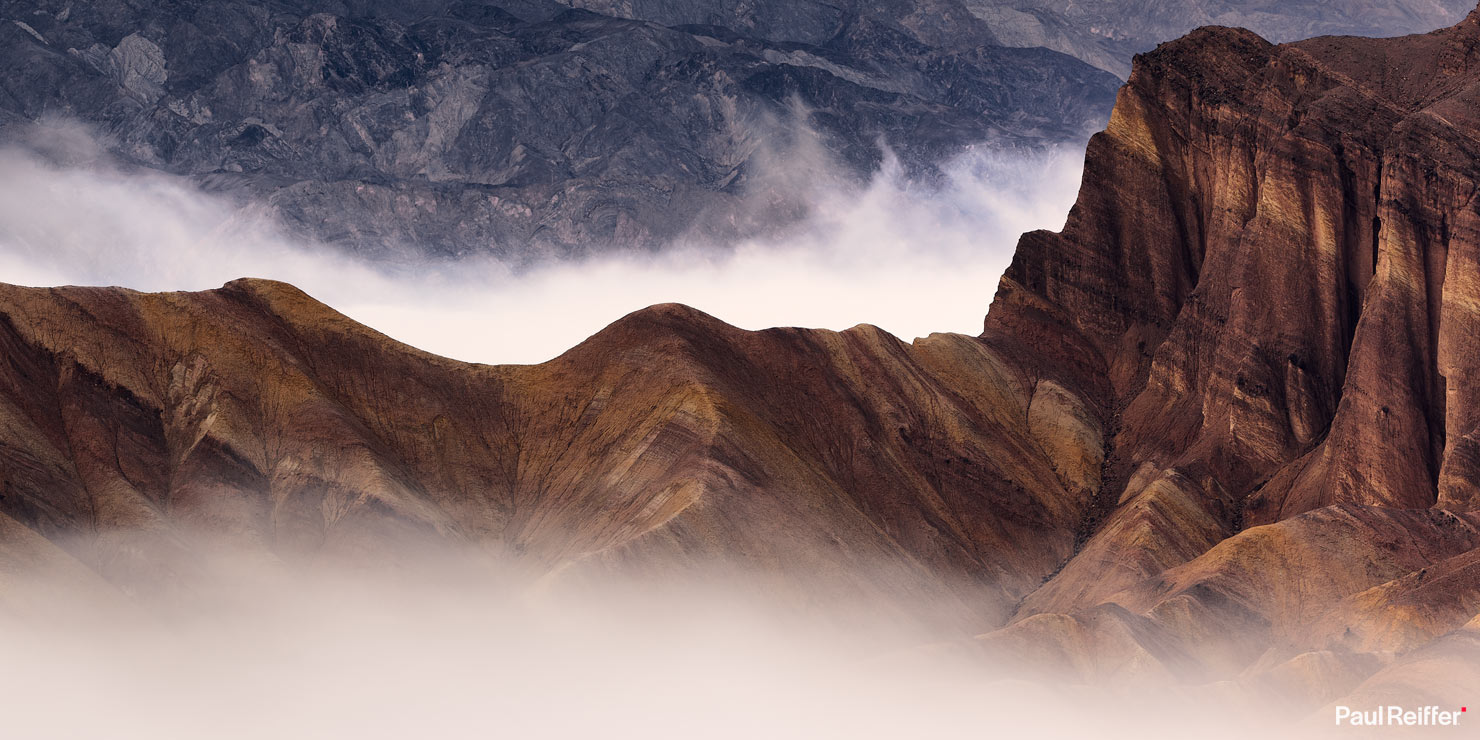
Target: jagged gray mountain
<point>1107,33</point>
<point>531,128</point>
<point>524,128</point>
<point>1104,33</point>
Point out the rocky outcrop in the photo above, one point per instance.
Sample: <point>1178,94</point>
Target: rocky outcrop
<point>1267,263</point>
<point>1264,289</point>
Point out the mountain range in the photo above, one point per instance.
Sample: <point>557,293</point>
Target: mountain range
<point>1220,428</point>
<point>532,129</point>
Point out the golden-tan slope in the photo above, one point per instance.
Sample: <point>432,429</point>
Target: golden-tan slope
<point>255,415</point>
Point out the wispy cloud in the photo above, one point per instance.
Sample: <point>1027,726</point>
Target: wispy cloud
<point>444,653</point>
<point>911,258</point>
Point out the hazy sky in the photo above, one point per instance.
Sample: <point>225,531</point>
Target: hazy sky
<point>909,259</point>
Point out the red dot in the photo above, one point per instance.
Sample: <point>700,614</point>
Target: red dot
<point>1464,709</point>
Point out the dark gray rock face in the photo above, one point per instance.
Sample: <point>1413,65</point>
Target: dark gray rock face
<point>1104,33</point>
<point>525,128</point>
<point>1107,33</point>
<point>531,128</point>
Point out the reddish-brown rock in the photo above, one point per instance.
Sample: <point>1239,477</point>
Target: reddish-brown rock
<point>256,415</point>
<point>1268,289</point>
<point>1272,262</point>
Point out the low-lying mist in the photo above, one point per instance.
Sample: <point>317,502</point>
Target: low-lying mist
<point>455,652</point>
<point>909,257</point>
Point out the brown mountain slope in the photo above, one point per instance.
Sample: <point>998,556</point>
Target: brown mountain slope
<point>256,414</point>
<point>1273,259</point>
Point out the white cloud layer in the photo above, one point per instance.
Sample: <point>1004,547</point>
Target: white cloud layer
<point>909,258</point>
<point>328,654</point>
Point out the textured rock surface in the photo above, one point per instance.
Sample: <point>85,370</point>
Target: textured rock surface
<point>1104,33</point>
<point>1107,32</point>
<point>1266,291</point>
<point>528,128</point>
<point>1280,318</point>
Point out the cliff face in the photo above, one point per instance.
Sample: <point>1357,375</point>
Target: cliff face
<point>1221,426</point>
<point>1272,261</point>
<point>1117,29</point>
<point>1272,268</point>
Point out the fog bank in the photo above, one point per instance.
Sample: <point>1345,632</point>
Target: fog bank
<point>911,258</point>
<point>353,655</point>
